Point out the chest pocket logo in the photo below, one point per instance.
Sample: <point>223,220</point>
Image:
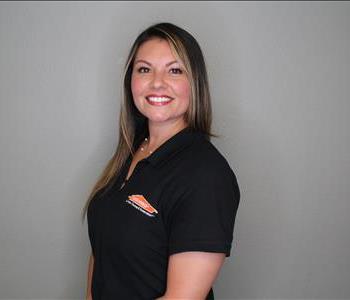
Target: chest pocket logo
<point>140,203</point>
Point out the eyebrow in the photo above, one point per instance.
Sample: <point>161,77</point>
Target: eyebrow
<point>148,63</point>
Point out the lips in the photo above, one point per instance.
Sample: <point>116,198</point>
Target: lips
<point>159,100</point>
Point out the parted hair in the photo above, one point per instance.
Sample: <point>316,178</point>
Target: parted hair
<point>132,123</point>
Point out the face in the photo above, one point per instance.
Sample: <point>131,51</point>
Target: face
<point>159,84</point>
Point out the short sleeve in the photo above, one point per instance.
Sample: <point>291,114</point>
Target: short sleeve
<point>204,215</point>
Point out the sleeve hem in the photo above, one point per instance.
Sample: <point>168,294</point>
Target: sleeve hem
<point>204,247</point>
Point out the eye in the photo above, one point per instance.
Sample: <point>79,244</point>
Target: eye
<point>142,70</point>
<point>176,71</point>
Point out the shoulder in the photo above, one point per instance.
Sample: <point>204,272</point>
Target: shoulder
<point>201,177</point>
<point>202,165</point>
<point>206,158</point>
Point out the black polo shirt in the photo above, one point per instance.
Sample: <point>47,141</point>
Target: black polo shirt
<point>183,197</point>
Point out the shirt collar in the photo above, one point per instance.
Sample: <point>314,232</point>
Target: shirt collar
<point>173,145</point>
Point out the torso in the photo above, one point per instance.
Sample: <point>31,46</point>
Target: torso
<point>130,240</point>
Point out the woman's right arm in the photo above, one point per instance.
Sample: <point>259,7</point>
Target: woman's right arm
<point>89,277</point>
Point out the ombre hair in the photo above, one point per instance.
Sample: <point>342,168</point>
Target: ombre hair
<point>132,124</point>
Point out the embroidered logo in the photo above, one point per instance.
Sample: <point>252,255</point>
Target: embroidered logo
<point>140,203</point>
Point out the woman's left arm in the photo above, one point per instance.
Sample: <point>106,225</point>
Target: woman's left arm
<point>192,274</point>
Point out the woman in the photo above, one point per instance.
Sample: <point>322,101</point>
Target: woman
<point>161,216</point>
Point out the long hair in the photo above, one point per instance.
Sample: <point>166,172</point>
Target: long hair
<point>132,124</point>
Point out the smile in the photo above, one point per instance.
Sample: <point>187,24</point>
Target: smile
<point>158,101</point>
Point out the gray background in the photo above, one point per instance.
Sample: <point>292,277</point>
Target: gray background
<point>279,76</point>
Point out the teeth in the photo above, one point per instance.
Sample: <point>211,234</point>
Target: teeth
<point>159,99</point>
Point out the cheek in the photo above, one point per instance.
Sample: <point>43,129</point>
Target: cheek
<point>184,90</point>
<point>136,86</point>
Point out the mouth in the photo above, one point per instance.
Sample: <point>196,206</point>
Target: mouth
<point>159,100</point>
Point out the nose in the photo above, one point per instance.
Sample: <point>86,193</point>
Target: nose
<point>158,80</point>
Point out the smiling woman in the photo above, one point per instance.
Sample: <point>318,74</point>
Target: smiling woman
<point>161,216</point>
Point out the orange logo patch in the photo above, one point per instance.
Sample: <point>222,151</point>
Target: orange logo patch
<point>140,202</point>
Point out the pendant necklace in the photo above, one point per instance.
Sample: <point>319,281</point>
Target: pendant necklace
<point>143,148</point>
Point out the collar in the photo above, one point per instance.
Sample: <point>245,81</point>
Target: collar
<point>170,147</point>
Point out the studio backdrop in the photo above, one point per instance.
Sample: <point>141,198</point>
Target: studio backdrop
<point>279,78</point>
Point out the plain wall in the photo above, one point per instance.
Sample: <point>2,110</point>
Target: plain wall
<point>279,77</point>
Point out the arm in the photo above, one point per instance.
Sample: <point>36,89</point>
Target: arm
<point>192,274</point>
<point>89,277</point>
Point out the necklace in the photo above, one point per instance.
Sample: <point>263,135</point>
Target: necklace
<point>143,148</point>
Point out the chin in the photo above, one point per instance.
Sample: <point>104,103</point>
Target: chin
<point>159,120</point>
<point>156,117</point>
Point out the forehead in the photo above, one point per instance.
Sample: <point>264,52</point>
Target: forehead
<point>155,48</point>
